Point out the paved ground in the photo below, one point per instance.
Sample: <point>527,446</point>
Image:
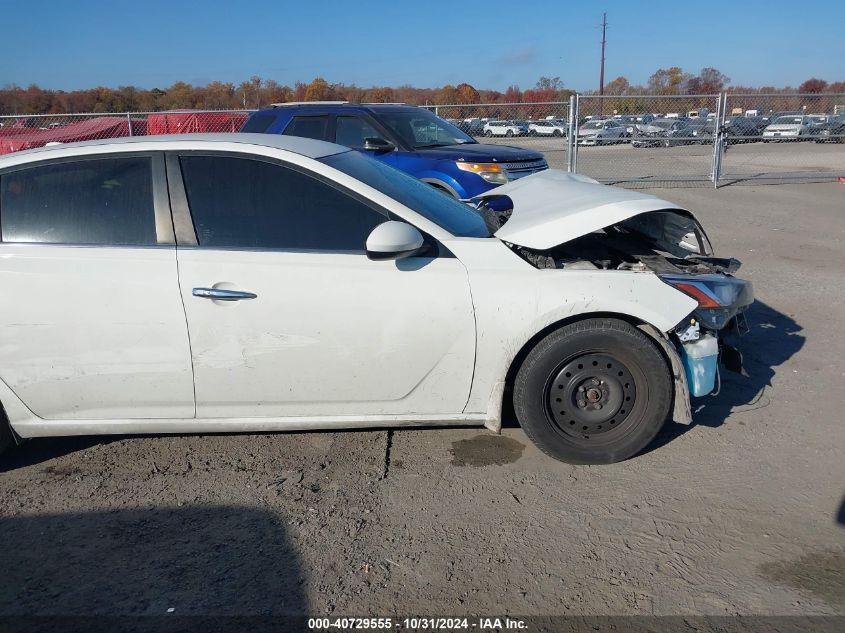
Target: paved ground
<point>739,514</point>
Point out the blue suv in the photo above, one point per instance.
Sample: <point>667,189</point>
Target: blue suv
<point>409,138</point>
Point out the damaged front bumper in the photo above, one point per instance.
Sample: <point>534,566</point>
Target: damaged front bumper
<point>699,339</point>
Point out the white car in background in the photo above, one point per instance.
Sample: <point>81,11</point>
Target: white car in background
<point>254,283</point>
<point>504,128</point>
<point>546,128</point>
<point>790,127</point>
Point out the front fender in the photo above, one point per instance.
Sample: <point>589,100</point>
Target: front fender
<point>515,302</point>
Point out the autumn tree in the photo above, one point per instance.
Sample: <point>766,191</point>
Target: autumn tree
<point>708,81</point>
<point>513,94</point>
<point>379,95</point>
<point>447,95</point>
<point>812,86</point>
<point>618,86</point>
<point>319,90</point>
<point>668,81</point>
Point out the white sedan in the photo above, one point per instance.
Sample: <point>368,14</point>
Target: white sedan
<point>252,283</point>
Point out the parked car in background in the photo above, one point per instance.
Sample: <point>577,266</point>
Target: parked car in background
<point>473,127</point>
<point>409,138</point>
<point>505,128</point>
<point>634,122</point>
<point>321,289</point>
<point>700,129</point>
<point>791,127</point>
<point>663,133</point>
<point>831,132</point>
<point>546,128</point>
<point>744,129</point>
<point>601,132</point>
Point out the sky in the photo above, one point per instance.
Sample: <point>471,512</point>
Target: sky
<point>75,44</point>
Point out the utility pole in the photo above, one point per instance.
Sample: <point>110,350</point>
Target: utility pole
<point>603,39</point>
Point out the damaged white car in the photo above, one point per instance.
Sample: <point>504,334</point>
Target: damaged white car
<point>251,283</point>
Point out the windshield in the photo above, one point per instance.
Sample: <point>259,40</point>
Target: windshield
<point>593,125</point>
<point>423,129</point>
<point>788,120</point>
<point>662,124</point>
<point>439,207</point>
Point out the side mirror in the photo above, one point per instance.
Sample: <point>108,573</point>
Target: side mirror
<point>376,144</point>
<point>394,240</point>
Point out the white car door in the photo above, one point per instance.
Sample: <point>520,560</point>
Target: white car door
<point>287,315</point>
<point>92,324</point>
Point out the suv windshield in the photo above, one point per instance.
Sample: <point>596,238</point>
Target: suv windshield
<point>439,207</point>
<point>423,129</point>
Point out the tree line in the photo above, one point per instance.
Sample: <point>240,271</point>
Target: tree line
<point>258,92</point>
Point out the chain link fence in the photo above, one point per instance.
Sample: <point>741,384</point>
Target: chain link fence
<point>29,131</point>
<point>649,140</point>
<point>538,126</point>
<point>632,140</point>
<point>777,137</point>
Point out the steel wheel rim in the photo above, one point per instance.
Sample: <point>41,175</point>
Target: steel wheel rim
<point>591,395</point>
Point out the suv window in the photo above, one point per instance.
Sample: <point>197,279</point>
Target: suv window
<point>352,130</point>
<point>308,126</point>
<point>106,201</point>
<point>259,123</point>
<point>247,203</point>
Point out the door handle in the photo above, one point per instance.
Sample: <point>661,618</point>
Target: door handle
<point>223,295</point>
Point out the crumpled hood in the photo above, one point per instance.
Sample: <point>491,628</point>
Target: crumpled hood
<point>552,207</point>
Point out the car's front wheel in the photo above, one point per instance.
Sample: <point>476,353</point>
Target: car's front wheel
<point>593,392</point>
<point>488,134</point>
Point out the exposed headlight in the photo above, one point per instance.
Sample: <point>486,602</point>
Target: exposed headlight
<point>719,298</point>
<point>491,172</point>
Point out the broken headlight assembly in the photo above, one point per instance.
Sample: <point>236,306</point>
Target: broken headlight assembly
<point>719,297</point>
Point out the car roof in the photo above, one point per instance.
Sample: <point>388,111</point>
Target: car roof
<point>310,148</point>
<point>283,108</point>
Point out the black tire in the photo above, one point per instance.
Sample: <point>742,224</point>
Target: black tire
<point>557,133</point>
<point>509,133</point>
<point>488,134</point>
<point>667,143</point>
<point>615,400</point>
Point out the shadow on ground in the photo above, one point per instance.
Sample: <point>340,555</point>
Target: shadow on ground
<point>195,561</point>
<point>773,338</point>
<point>45,449</point>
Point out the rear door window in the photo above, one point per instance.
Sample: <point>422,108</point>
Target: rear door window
<point>103,201</point>
<point>308,126</point>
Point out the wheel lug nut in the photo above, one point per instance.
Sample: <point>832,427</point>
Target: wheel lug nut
<point>580,389</point>
<point>598,405</point>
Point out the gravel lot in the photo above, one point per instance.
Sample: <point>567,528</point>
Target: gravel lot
<point>739,514</point>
